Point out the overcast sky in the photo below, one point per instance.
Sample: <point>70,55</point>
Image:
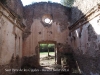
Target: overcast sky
<point>27,2</point>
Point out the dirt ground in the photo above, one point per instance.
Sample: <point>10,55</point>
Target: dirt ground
<point>47,66</point>
<point>47,60</point>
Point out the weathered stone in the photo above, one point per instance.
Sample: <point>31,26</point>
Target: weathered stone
<point>29,62</point>
<point>91,34</point>
<point>81,7</point>
<point>88,53</point>
<point>10,47</point>
<point>84,45</point>
<point>37,10</point>
<point>16,6</point>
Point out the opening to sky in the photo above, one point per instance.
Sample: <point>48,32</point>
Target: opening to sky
<point>27,2</point>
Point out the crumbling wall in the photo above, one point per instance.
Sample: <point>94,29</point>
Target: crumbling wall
<point>85,41</point>
<point>10,41</point>
<point>38,32</point>
<point>63,49</point>
<point>33,15</point>
<point>11,67</point>
<point>37,10</point>
<point>16,6</point>
<point>81,7</point>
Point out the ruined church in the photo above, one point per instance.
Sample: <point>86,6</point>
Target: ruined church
<point>74,32</point>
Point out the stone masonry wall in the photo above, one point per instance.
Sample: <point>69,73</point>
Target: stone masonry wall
<point>85,41</point>
<point>33,15</point>
<point>39,32</point>
<point>10,41</point>
<point>36,11</point>
<point>81,7</point>
<point>16,6</point>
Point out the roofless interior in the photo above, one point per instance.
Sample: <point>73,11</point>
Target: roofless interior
<point>47,38</point>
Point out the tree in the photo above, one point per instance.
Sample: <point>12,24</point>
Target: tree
<point>3,1</point>
<point>67,3</point>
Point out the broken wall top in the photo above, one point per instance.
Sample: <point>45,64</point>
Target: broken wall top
<point>13,17</point>
<point>60,14</point>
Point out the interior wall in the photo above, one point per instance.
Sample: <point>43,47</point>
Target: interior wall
<point>85,41</point>
<point>16,6</point>
<point>82,7</point>
<point>38,31</point>
<point>10,44</point>
<point>52,33</point>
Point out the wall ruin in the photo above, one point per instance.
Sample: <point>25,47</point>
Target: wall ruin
<point>10,40</point>
<point>39,32</point>
<point>15,6</point>
<point>84,39</point>
<point>82,7</point>
<point>57,30</point>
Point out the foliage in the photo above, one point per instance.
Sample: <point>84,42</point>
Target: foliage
<point>67,3</point>
<point>45,47</point>
<point>3,1</point>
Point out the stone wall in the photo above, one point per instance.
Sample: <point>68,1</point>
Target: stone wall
<point>83,37</point>
<point>85,41</point>
<point>55,32</point>
<point>10,40</point>
<point>41,32</point>
<point>81,7</point>
<point>37,10</point>
<point>16,6</point>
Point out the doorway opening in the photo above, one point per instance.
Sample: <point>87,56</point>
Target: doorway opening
<point>47,54</point>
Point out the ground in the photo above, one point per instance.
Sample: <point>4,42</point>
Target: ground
<point>46,60</point>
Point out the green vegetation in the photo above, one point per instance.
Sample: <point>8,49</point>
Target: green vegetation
<point>67,3</point>
<point>45,47</point>
<point>3,1</point>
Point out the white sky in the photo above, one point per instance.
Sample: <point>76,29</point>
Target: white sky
<point>27,2</point>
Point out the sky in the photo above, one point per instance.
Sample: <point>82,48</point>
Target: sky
<point>27,2</point>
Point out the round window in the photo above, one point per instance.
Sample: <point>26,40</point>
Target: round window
<point>47,19</point>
